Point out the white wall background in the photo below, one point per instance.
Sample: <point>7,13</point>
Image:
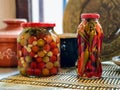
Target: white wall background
<point>7,10</point>
<point>35,10</point>
<point>53,13</point>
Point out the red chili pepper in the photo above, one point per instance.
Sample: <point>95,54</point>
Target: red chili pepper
<point>91,70</point>
<point>94,41</point>
<point>92,57</point>
<point>100,37</point>
<point>88,65</point>
<point>99,46</point>
<point>99,30</point>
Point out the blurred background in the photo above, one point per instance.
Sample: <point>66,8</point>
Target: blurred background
<point>34,10</point>
<point>66,15</point>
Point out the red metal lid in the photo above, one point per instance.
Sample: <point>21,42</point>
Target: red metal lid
<point>31,24</point>
<point>90,15</point>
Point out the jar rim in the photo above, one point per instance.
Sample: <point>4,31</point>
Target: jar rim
<point>18,20</point>
<point>90,15</point>
<point>38,24</point>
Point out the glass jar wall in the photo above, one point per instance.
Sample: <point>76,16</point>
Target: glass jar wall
<point>90,35</point>
<point>38,50</point>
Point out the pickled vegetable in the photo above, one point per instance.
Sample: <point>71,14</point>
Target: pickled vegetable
<point>90,37</point>
<point>38,51</point>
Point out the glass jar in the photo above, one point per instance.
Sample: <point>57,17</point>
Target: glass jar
<point>90,36</point>
<point>38,50</point>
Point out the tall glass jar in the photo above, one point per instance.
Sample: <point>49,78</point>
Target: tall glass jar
<point>90,36</point>
<point>38,50</point>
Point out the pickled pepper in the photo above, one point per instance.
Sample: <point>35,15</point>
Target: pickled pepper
<point>90,36</point>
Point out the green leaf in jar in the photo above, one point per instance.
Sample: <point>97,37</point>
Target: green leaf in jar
<point>87,28</point>
<point>82,34</point>
<point>33,31</point>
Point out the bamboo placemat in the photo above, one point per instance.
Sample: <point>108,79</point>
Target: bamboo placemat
<point>67,78</point>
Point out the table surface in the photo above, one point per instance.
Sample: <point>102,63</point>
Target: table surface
<point>65,80</point>
<point>7,72</point>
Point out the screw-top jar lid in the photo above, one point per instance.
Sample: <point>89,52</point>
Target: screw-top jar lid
<point>90,15</point>
<point>31,24</point>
